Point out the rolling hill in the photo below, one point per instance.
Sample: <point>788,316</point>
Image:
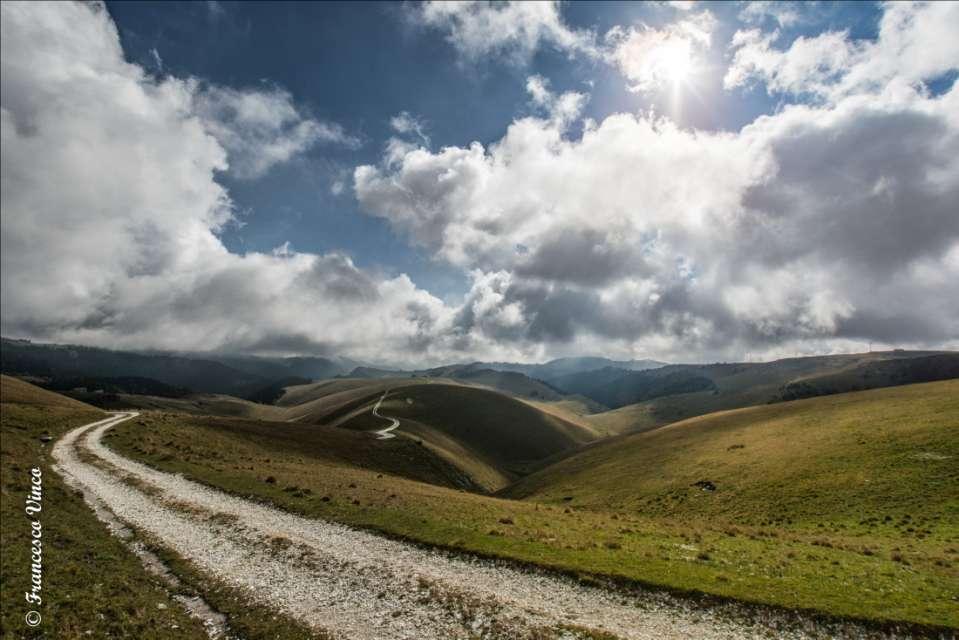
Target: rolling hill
<point>511,382</point>
<point>48,361</point>
<point>846,457</point>
<point>489,437</point>
<point>207,404</point>
<point>493,437</point>
<point>846,504</point>
<point>646,399</point>
<point>560,367</point>
<point>238,375</point>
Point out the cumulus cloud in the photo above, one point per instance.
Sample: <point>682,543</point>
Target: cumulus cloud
<point>813,228</point>
<point>784,14</point>
<point>647,57</point>
<point>916,43</point>
<point>810,65</point>
<point>514,29</point>
<point>111,211</point>
<point>818,227</point>
<point>650,58</point>
<point>562,109</point>
<point>261,128</point>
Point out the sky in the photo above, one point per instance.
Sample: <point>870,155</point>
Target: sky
<point>419,183</point>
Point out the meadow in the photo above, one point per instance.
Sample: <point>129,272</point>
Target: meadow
<point>845,505</point>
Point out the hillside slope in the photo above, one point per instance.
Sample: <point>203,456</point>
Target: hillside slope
<point>97,582</point>
<point>511,382</point>
<point>646,399</point>
<point>490,435</point>
<point>70,361</point>
<point>556,369</point>
<point>847,457</point>
<point>207,404</point>
<point>867,566</point>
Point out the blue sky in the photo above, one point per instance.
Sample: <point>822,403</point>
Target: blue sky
<point>417,183</point>
<point>359,64</point>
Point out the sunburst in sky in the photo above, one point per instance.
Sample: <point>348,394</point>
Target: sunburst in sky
<point>445,182</point>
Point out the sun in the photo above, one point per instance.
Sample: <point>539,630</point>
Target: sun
<point>676,61</point>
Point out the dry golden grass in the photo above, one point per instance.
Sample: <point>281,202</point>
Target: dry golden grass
<point>832,504</point>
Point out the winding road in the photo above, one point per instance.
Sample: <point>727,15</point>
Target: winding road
<point>384,434</point>
<point>354,584</point>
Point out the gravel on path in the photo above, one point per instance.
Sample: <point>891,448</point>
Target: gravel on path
<point>356,584</point>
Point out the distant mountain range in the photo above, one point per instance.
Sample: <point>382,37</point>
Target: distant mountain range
<point>674,392</point>
<point>667,391</point>
<point>561,367</point>
<point>534,381</point>
<point>242,376</point>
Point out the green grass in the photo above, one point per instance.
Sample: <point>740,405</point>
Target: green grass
<point>509,435</point>
<point>201,404</point>
<point>91,582</point>
<point>749,384</point>
<point>798,519</point>
<point>337,448</point>
<point>845,457</point>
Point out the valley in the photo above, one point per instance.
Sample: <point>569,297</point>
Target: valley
<point>800,518</point>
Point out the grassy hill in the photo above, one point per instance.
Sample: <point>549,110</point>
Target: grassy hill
<point>510,382</point>
<point>851,456</point>
<point>556,369</point>
<point>491,438</point>
<point>207,404</point>
<point>844,504</point>
<point>514,383</point>
<point>91,581</point>
<point>645,399</point>
<point>490,435</point>
<point>70,361</point>
<point>333,401</point>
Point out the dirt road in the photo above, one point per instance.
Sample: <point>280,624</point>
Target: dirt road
<point>354,584</point>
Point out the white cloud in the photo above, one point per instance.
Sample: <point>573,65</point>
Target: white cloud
<point>650,58</point>
<point>405,123</point>
<point>514,29</point>
<point>262,128</point>
<point>111,212</point>
<point>538,89</point>
<point>784,14</point>
<point>562,109</point>
<point>810,65</point>
<point>157,60</point>
<point>816,228</point>
<point>917,42</point>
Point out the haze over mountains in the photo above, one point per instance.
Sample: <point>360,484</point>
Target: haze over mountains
<point>487,424</point>
<point>643,393</point>
<point>238,374</point>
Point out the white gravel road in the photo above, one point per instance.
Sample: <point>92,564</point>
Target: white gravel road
<point>358,585</point>
<point>384,434</point>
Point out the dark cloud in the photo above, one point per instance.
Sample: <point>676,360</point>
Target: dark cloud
<point>589,257</point>
<point>863,190</point>
<point>283,343</point>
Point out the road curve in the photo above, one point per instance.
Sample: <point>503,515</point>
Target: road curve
<point>384,434</point>
<point>354,584</point>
